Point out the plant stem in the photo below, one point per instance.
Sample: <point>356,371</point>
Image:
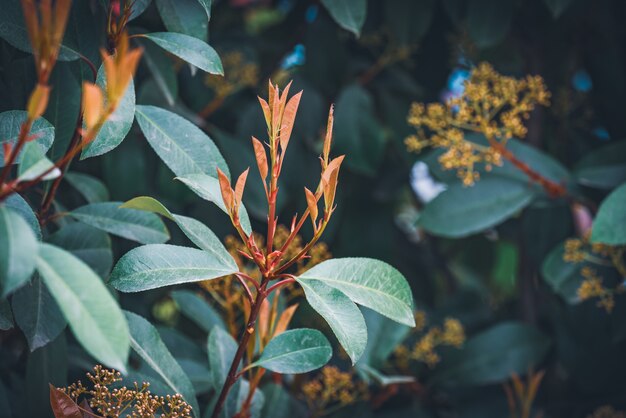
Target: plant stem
<point>247,332</point>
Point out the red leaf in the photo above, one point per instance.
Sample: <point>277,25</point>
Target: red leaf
<point>62,405</point>
<point>329,135</point>
<point>227,191</point>
<point>261,157</point>
<point>311,202</point>
<point>241,184</point>
<point>289,118</point>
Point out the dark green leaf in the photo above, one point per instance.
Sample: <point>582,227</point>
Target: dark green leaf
<point>159,265</point>
<point>132,224</point>
<point>461,211</point>
<point>18,205</point>
<point>146,342</point>
<point>93,315</point>
<point>557,7</point>
<point>609,226</point>
<point>493,355</point>
<point>295,351</point>
<point>604,168</point>
<point>488,21</point>
<point>18,251</point>
<point>349,14</point>
<point>10,125</point>
<point>357,132</point>
<point>383,335</point>
<point>44,366</point>
<point>221,349</point>
<point>197,310</point>
<point>37,314</point>
<point>184,16</point>
<point>564,278</point>
<point>6,316</point>
<point>92,189</point>
<point>190,49</point>
<point>162,69</point>
<point>91,245</point>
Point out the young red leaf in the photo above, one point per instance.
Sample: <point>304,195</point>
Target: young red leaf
<point>38,101</point>
<point>241,184</point>
<point>93,103</point>
<point>329,135</point>
<point>267,113</point>
<point>331,174</point>
<point>62,405</point>
<point>311,202</point>
<point>289,117</point>
<point>264,319</point>
<point>261,157</point>
<point>227,191</point>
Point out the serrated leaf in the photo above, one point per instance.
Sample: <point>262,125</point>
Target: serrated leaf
<point>208,188</point>
<point>18,251</point>
<point>349,14</point>
<point>460,211</point>
<point>158,265</point>
<point>189,49</point>
<point>131,224</point>
<point>37,314</point>
<point>195,230</point>
<point>10,125</point>
<point>91,312</point>
<point>609,226</point>
<point>180,144</point>
<point>197,310</point>
<point>341,314</point>
<point>117,125</point>
<point>368,282</point>
<point>295,351</point>
<point>146,342</point>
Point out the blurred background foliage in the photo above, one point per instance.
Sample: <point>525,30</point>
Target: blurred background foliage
<point>503,281</point>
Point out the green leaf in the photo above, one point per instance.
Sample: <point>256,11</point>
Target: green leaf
<point>117,125</point>
<point>460,211</point>
<point>295,351</point>
<point>35,163</point>
<point>13,30</point>
<point>131,224</point>
<point>604,168</point>
<point>221,348</point>
<point>349,14</point>
<point>341,314</point>
<point>94,316</point>
<point>195,230</point>
<point>488,21</point>
<point>609,226</point>
<point>162,69</point>
<point>198,373</point>
<point>493,355</point>
<point>557,7</point>
<point>6,316</point>
<point>37,314</point>
<point>409,20</point>
<point>90,244</point>
<point>18,251</point>
<point>208,188</point>
<point>184,16</point>
<point>92,189</point>
<point>181,346</point>
<point>197,310</point>
<point>158,265</point>
<point>189,49</point>
<point>384,336</point>
<point>357,132</point>
<point>564,278</point>
<point>17,204</point>
<point>10,125</point>
<point>368,282</point>
<point>180,144</point>
<point>206,5</point>
<point>139,6</point>
<point>145,341</point>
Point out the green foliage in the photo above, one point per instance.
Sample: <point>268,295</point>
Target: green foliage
<point>609,226</point>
